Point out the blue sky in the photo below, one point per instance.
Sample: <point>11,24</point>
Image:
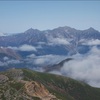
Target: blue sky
<point>18,16</point>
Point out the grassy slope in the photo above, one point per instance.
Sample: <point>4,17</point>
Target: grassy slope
<point>64,88</point>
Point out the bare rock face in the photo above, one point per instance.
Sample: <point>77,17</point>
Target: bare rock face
<point>36,89</point>
<point>10,52</point>
<point>3,78</point>
<point>16,74</point>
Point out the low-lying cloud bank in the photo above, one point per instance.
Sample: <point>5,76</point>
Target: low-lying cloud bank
<point>91,42</point>
<point>24,47</point>
<point>39,62</point>
<point>48,59</point>
<point>84,67</point>
<point>9,61</point>
<point>58,41</point>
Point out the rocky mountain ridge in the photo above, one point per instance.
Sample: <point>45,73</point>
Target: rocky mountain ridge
<point>31,85</point>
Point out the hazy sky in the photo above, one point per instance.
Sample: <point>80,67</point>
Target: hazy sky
<point>18,16</point>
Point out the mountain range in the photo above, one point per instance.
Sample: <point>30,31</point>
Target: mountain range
<point>34,48</point>
<point>63,39</point>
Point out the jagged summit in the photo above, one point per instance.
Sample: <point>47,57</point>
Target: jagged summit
<point>31,30</point>
<point>90,30</point>
<point>64,28</point>
<point>56,37</point>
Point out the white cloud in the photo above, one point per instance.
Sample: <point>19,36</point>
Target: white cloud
<point>84,67</point>
<point>92,42</point>
<point>5,58</point>
<point>3,63</point>
<point>40,61</point>
<point>13,62</point>
<point>24,47</point>
<point>48,59</point>
<point>41,43</point>
<point>15,48</point>
<point>2,34</point>
<point>58,41</point>
<point>56,72</point>
<point>10,61</point>
<point>31,56</point>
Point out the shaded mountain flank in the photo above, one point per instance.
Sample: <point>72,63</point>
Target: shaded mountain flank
<point>56,67</point>
<point>7,52</point>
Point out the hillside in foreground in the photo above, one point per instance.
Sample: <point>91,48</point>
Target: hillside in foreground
<point>24,84</point>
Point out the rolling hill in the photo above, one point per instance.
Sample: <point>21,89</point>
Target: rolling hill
<point>24,84</point>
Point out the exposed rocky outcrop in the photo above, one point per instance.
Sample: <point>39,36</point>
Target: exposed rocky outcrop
<point>42,86</point>
<point>3,78</point>
<point>10,53</point>
<point>16,74</point>
<point>36,89</point>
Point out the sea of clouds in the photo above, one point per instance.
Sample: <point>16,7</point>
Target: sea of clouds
<point>83,67</point>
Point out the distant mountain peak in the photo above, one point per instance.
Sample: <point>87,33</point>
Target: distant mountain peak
<point>31,30</point>
<point>91,29</point>
<point>65,27</point>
